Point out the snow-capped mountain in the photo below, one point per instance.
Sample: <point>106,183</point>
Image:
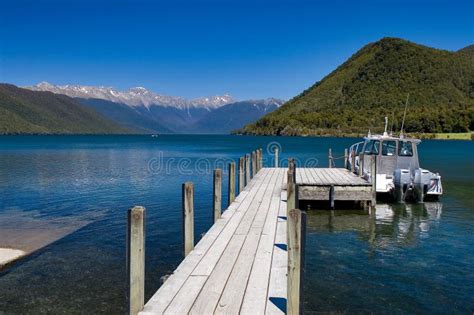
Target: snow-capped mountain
<point>136,97</point>
<point>145,111</point>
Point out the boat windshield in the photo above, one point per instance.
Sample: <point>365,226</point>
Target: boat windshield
<point>372,147</point>
<point>405,148</point>
<point>389,148</point>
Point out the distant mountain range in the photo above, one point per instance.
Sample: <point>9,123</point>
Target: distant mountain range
<point>25,111</point>
<point>374,83</point>
<point>194,120</point>
<point>136,97</point>
<point>136,110</point>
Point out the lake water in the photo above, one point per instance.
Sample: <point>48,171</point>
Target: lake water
<point>404,259</point>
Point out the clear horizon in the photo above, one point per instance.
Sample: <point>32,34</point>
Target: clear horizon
<point>250,50</point>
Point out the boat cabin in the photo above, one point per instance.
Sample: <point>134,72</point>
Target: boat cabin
<point>392,153</point>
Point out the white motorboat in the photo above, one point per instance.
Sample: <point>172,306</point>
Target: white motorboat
<point>398,171</point>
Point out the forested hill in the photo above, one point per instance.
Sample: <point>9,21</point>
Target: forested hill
<point>31,112</point>
<point>374,83</point>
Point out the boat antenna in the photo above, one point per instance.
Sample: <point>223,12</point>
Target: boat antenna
<point>404,115</point>
<point>393,119</point>
<point>386,125</point>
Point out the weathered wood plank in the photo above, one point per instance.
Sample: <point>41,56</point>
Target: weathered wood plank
<point>183,303</point>
<point>233,294</point>
<point>207,299</point>
<point>330,174</point>
<point>304,175</point>
<point>299,178</point>
<point>234,291</point>
<point>206,265</point>
<point>257,288</point>
<point>341,177</point>
<point>322,175</point>
<point>256,204</point>
<point>313,192</point>
<point>161,299</point>
<point>327,177</point>
<point>312,177</point>
<point>352,193</point>
<point>316,176</point>
<point>340,192</point>
<point>278,280</point>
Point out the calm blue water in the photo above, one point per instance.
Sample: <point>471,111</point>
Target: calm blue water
<point>403,259</point>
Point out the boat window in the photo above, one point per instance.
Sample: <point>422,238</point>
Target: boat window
<point>405,148</point>
<point>372,147</point>
<point>368,147</point>
<point>389,148</point>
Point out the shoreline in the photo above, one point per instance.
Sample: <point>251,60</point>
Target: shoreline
<point>423,136</point>
<point>465,136</point>
<point>23,233</point>
<point>10,255</point>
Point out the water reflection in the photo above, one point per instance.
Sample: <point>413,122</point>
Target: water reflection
<point>384,226</point>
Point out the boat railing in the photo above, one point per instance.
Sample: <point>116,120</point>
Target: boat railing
<point>354,149</point>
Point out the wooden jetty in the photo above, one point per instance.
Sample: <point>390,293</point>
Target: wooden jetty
<point>332,184</point>
<point>252,259</point>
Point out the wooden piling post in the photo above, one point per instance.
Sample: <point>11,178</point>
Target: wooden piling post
<point>361,164</point>
<point>241,174</point>
<point>330,157</point>
<point>331,197</point>
<point>346,157</point>
<point>188,217</point>
<point>373,176</point>
<point>254,163</point>
<point>136,259</point>
<point>291,201</point>
<point>231,182</point>
<point>217,189</point>
<point>257,160</point>
<point>292,168</point>
<point>277,158</point>
<point>291,164</point>
<point>353,161</point>
<point>247,169</point>
<point>296,221</point>
<point>260,159</point>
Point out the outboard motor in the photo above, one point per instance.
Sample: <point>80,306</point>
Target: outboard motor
<point>402,182</point>
<point>421,182</point>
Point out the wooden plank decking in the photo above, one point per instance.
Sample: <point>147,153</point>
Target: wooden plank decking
<point>328,177</point>
<point>240,264</point>
<point>336,183</point>
<point>236,266</point>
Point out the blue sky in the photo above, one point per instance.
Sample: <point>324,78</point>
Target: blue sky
<point>250,49</point>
